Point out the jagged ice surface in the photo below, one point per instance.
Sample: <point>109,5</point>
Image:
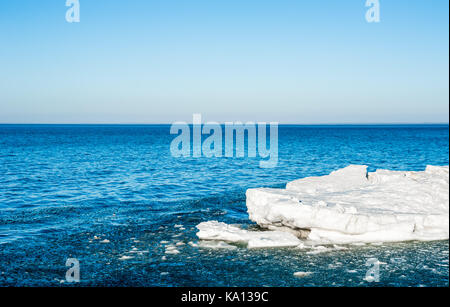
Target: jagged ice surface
<point>351,205</point>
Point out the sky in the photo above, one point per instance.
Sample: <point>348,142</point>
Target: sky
<point>288,61</point>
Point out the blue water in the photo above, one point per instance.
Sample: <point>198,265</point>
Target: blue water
<point>62,185</point>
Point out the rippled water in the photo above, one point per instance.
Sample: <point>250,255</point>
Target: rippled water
<point>65,189</point>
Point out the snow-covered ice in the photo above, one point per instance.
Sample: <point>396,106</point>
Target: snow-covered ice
<point>352,205</point>
<point>348,206</point>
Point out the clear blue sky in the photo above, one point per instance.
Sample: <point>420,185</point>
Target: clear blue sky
<point>145,61</point>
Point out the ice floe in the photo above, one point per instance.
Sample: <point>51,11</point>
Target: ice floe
<point>349,206</point>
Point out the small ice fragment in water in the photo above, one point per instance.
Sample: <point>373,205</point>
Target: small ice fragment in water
<point>172,251</point>
<point>124,257</point>
<point>302,274</point>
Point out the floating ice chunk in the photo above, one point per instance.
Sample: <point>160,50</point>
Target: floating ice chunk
<point>126,257</point>
<point>172,251</point>
<point>302,274</point>
<point>351,205</point>
<point>214,230</point>
<point>134,250</point>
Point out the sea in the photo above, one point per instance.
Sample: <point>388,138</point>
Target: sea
<point>112,201</point>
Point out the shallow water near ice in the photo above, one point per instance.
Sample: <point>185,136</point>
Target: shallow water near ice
<point>114,198</point>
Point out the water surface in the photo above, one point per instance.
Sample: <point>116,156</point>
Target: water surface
<point>65,189</point>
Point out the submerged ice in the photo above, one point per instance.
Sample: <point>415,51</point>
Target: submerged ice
<point>349,205</point>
